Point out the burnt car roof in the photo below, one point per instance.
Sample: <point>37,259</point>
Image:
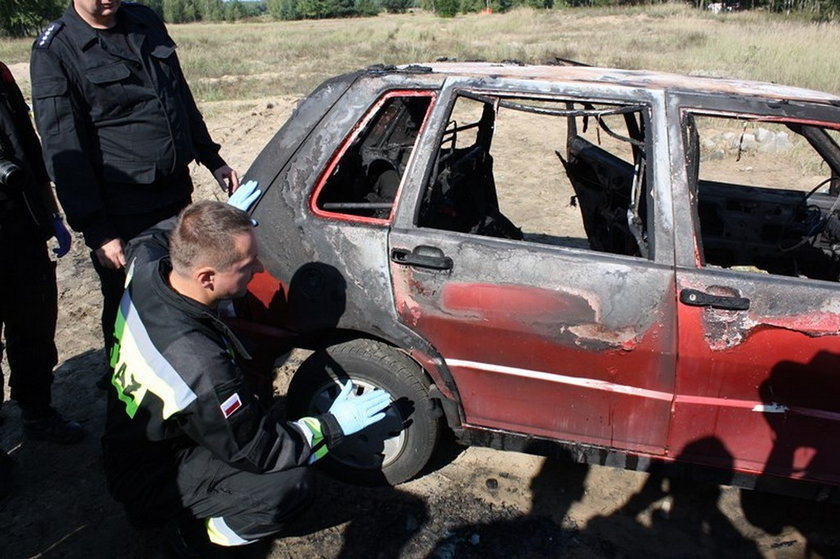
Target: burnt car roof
<point>629,78</point>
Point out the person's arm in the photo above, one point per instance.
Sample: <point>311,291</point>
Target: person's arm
<point>29,142</point>
<point>206,150</point>
<point>227,420</point>
<point>65,145</point>
<point>38,192</point>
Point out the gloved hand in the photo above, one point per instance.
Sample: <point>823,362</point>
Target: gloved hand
<point>62,235</point>
<point>355,413</point>
<point>245,195</point>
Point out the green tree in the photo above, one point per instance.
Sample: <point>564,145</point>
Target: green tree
<point>370,7</point>
<point>214,10</point>
<point>501,6</point>
<point>341,8</point>
<point>289,10</point>
<point>446,8</point>
<point>397,6</point>
<point>19,18</point>
<point>173,11</point>
<point>468,6</point>
<point>233,10</point>
<point>316,9</point>
<point>191,11</point>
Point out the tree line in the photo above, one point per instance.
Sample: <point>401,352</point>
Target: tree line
<point>21,18</point>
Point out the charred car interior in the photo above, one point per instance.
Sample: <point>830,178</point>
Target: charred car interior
<point>750,216</point>
<point>590,182</point>
<point>365,180</point>
<point>616,263</point>
<point>590,193</point>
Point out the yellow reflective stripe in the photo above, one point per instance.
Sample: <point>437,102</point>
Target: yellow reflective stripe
<point>221,534</point>
<point>316,442</point>
<point>143,368</point>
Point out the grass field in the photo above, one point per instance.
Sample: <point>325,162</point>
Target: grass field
<point>258,59</point>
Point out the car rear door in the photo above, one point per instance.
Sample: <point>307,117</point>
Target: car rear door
<point>759,303</point>
<point>541,333</point>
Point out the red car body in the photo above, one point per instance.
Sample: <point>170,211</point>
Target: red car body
<point>690,320</point>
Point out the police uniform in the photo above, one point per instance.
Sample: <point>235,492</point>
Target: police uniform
<point>185,432</point>
<point>119,127</point>
<point>28,298</point>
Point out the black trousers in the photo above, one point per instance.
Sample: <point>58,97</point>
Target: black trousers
<point>112,282</point>
<point>241,507</point>
<point>28,310</point>
<point>238,507</point>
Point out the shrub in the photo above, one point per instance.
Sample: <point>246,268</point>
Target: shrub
<point>397,6</point>
<point>446,8</point>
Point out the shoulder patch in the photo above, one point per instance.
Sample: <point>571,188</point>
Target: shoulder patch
<point>44,39</point>
<point>231,405</point>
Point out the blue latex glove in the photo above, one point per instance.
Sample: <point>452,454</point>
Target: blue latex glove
<point>245,195</point>
<point>354,413</point>
<point>62,235</point>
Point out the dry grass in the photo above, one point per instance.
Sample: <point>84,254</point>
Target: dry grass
<point>258,59</point>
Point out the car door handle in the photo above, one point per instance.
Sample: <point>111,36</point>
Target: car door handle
<point>423,256</point>
<point>697,298</point>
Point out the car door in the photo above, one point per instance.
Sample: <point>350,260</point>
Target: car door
<point>759,310</point>
<point>512,254</point>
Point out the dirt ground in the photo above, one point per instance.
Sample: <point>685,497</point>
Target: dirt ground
<point>471,502</point>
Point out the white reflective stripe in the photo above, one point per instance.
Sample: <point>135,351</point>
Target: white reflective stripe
<point>564,379</point>
<point>753,405</point>
<point>770,408</point>
<point>129,273</point>
<point>148,367</point>
<point>221,534</point>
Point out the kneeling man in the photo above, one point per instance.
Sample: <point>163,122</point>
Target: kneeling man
<point>186,438</point>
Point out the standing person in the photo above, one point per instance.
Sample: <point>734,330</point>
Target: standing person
<point>28,296</point>
<point>186,438</point>
<point>119,127</point>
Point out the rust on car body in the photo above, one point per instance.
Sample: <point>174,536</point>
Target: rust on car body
<point>614,261</point>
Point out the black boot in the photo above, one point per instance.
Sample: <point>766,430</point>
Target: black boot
<point>47,425</point>
<point>186,538</point>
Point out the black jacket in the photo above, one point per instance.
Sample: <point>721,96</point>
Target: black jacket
<point>178,384</point>
<point>28,197</point>
<point>117,119</point>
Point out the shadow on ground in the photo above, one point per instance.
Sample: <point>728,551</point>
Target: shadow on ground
<point>60,508</point>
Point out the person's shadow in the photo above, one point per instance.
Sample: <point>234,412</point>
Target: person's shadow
<point>676,515</point>
<point>59,505</point>
<point>802,409</point>
<point>544,532</point>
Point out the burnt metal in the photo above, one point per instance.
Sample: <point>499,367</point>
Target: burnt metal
<point>594,329</point>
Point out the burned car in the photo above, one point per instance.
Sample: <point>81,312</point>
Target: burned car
<point>621,264</point>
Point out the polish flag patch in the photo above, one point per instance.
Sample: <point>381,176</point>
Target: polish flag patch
<point>231,405</point>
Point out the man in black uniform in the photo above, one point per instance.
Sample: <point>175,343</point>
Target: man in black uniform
<point>119,127</point>
<point>28,297</point>
<point>186,438</point>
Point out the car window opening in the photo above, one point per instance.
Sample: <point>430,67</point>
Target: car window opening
<point>597,198</point>
<point>767,195</point>
<point>366,176</point>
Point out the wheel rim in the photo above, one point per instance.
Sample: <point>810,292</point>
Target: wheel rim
<point>374,447</point>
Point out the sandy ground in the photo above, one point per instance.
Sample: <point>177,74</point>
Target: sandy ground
<point>471,503</point>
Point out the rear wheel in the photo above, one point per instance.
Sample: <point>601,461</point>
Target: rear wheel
<point>392,450</point>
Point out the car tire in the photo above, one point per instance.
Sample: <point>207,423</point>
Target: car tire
<point>392,450</point>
